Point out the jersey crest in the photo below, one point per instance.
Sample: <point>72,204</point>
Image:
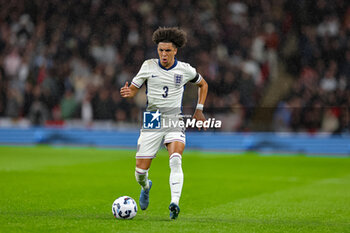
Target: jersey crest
<point>178,79</point>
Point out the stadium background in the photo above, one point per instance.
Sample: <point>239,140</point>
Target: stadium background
<point>281,67</point>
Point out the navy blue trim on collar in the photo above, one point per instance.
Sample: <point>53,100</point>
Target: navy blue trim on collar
<point>160,65</point>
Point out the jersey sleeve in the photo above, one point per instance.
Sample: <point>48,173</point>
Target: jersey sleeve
<point>196,79</point>
<point>192,75</point>
<point>141,76</point>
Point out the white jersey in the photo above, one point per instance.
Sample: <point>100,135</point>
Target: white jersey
<point>165,87</point>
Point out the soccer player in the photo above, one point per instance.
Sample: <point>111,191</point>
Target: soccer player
<point>165,79</point>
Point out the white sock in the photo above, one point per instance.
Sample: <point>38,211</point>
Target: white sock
<point>176,177</point>
<point>142,177</point>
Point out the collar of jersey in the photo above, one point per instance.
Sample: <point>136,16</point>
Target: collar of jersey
<point>175,63</point>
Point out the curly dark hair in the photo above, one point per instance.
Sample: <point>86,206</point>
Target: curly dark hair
<point>170,34</point>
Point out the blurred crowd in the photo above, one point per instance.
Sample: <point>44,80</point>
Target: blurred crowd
<point>319,100</point>
<point>62,60</point>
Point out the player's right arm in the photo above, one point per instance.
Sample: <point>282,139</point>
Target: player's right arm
<point>128,91</point>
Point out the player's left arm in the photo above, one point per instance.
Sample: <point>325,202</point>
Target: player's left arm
<point>202,95</point>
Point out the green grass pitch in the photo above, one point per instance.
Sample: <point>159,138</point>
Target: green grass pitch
<point>52,189</point>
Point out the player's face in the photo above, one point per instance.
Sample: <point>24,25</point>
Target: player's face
<point>166,52</point>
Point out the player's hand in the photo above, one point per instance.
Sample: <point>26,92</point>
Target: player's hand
<point>199,116</point>
<point>125,91</point>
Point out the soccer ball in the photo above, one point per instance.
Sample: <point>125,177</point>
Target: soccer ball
<point>124,208</point>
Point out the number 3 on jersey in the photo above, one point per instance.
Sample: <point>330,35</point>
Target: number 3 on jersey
<point>165,94</point>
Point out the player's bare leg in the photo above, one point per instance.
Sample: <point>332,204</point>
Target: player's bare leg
<point>141,174</point>
<point>143,163</point>
<point>175,150</point>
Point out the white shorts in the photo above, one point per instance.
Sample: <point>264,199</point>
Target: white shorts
<point>149,142</point>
